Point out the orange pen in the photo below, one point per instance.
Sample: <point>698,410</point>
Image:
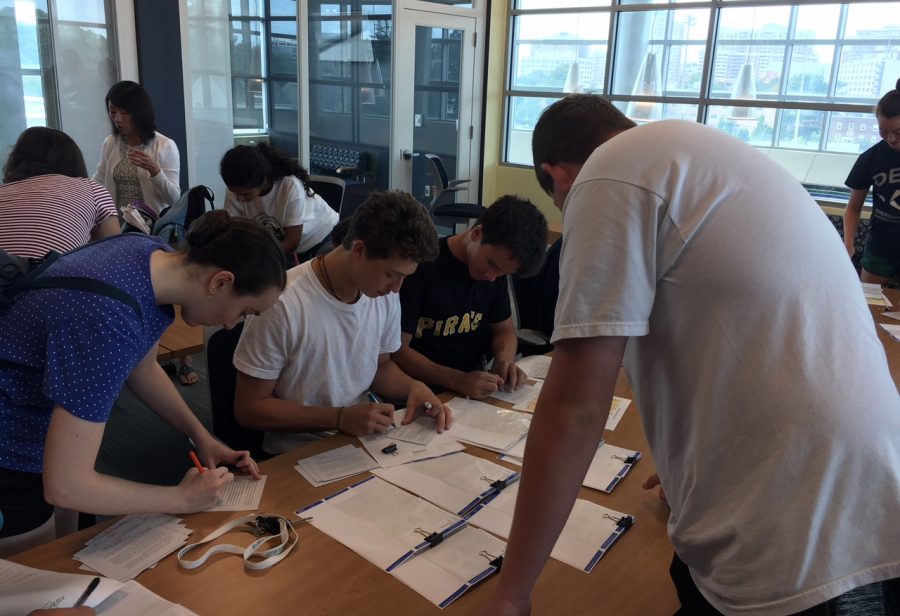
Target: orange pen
<point>196,461</point>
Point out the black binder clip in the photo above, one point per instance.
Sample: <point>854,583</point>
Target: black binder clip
<point>625,522</point>
<point>500,484</point>
<point>494,561</point>
<point>631,459</point>
<point>432,539</point>
<point>390,449</point>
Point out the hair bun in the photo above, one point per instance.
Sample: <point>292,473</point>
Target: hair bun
<point>208,227</point>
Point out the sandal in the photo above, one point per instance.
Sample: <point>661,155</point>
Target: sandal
<point>187,375</point>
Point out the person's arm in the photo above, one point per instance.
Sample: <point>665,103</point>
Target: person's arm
<point>150,384</point>
<point>392,382</point>
<point>565,431</point>
<point>100,175</point>
<point>504,344</point>
<point>476,384</point>
<point>164,169</point>
<point>256,407</point>
<point>107,227</point>
<point>851,217</point>
<point>70,481</point>
<point>291,239</point>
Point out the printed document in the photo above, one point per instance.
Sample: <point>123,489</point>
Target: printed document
<point>23,589</point>
<point>242,494</point>
<point>333,465</point>
<point>487,425</point>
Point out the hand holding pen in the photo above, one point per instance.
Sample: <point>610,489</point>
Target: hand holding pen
<point>364,419</point>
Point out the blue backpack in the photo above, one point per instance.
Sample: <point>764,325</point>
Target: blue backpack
<point>175,221</point>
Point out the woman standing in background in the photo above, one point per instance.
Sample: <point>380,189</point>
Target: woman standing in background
<point>136,162</point>
<point>139,164</point>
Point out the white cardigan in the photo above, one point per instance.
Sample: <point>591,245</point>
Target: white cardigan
<point>160,191</point>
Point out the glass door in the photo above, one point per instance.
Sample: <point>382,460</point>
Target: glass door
<point>437,102</point>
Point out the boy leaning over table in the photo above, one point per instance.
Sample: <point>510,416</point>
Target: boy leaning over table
<point>308,364</point>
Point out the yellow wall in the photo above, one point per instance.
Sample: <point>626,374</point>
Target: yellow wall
<point>502,179</point>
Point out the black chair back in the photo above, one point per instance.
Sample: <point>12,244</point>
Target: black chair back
<point>331,189</point>
<point>221,375</point>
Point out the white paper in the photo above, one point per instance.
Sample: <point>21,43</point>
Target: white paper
<point>487,425</point>
<point>419,431</point>
<point>581,543</point>
<point>440,445</point>
<point>133,544</point>
<point>456,482</point>
<point>616,408</point>
<point>892,330</point>
<point>382,523</point>
<point>242,494</point>
<point>607,468</point>
<point>24,588</point>
<point>336,464</point>
<point>133,599</point>
<point>523,396</point>
<point>535,366</point>
<point>892,315</point>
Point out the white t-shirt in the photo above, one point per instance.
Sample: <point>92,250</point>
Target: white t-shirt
<point>763,388</point>
<point>288,205</point>
<point>322,352</point>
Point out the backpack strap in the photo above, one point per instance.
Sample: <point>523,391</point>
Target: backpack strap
<point>89,285</point>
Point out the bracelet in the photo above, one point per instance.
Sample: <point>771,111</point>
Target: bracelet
<point>337,424</point>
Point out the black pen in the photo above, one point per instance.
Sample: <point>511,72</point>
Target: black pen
<point>87,592</point>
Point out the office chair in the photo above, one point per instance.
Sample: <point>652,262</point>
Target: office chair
<point>221,376</point>
<point>330,188</point>
<point>530,341</point>
<point>443,207</point>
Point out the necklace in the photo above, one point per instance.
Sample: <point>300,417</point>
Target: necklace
<point>330,287</point>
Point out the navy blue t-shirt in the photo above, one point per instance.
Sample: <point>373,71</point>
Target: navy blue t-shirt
<point>879,167</point>
<point>448,313</point>
<point>72,348</point>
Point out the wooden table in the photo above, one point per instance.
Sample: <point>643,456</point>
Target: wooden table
<point>180,339</point>
<point>321,576</point>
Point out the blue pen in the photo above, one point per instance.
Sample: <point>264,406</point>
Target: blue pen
<point>375,399</point>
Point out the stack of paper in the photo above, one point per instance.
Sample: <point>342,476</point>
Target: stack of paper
<point>333,465</point>
<point>486,425</point>
<point>242,494</point>
<point>458,482</point>
<point>588,534</point>
<point>607,469</point>
<point>428,549</point>
<point>134,543</point>
<point>874,294</point>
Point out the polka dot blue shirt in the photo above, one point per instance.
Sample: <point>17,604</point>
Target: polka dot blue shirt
<point>74,348</point>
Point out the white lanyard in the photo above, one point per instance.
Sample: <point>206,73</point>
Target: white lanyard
<point>263,526</point>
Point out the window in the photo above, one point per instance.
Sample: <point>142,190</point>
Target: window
<point>264,69</point>
<point>782,76</point>
<point>58,63</point>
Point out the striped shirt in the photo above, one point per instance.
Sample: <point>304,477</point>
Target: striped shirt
<point>50,212</point>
